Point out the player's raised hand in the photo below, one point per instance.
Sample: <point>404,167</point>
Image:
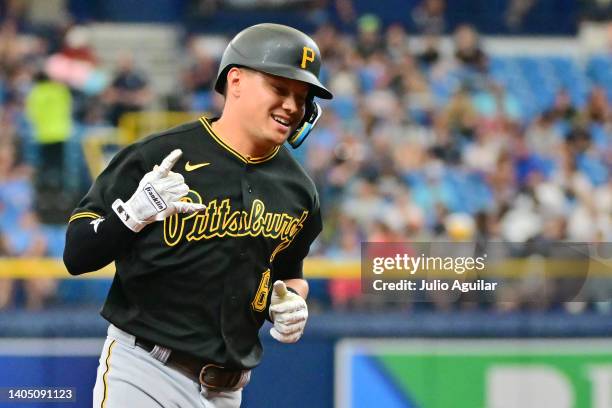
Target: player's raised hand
<point>168,163</point>
<point>289,313</point>
<point>157,197</point>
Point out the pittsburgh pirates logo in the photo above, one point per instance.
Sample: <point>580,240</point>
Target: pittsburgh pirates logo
<point>308,55</point>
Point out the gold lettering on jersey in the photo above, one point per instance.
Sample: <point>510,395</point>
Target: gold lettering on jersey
<point>219,220</point>
<point>173,226</point>
<point>308,55</point>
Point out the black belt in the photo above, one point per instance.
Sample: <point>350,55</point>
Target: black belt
<point>208,374</point>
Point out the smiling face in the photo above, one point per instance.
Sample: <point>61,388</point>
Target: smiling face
<point>271,106</point>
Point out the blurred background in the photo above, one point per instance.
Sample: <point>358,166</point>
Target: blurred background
<point>485,121</point>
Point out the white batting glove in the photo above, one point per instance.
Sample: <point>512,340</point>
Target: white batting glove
<point>157,197</point>
<point>289,313</point>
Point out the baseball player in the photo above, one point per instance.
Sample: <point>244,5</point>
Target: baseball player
<point>208,224</point>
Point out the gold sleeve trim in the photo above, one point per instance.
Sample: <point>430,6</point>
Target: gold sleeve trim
<point>87,214</point>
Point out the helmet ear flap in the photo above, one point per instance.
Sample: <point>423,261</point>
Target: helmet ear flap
<point>311,116</point>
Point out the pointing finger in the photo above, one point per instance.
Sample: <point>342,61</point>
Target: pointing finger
<point>169,161</point>
<point>188,208</point>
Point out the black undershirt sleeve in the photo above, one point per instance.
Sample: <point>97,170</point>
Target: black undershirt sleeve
<point>88,249</point>
<point>95,235</point>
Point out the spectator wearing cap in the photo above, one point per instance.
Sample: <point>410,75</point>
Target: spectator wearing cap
<point>369,39</point>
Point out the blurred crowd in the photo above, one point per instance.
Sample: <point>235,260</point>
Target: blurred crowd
<point>420,143</point>
<point>423,145</point>
<point>52,91</point>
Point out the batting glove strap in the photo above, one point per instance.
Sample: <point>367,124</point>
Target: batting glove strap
<point>127,216</point>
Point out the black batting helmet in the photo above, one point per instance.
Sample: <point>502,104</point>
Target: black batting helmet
<point>274,49</point>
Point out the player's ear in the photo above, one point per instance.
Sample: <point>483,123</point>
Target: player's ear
<point>235,77</point>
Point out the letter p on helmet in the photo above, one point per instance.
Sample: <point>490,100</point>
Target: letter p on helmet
<point>308,55</point>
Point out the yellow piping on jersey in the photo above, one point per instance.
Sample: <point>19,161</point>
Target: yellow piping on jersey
<point>250,160</point>
<point>86,214</point>
<point>105,375</point>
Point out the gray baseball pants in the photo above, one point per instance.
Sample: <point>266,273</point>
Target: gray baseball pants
<point>128,376</point>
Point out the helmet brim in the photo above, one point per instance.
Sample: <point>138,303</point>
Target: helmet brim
<point>297,74</point>
<point>317,88</point>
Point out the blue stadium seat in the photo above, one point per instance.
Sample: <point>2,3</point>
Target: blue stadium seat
<point>598,70</point>
<point>83,291</point>
<point>345,107</point>
<point>56,239</point>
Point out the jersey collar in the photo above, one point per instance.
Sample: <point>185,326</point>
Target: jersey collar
<point>246,159</point>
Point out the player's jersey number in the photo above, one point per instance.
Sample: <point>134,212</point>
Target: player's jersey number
<point>261,297</point>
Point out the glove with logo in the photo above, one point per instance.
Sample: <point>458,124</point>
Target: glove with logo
<point>157,196</point>
<point>289,313</point>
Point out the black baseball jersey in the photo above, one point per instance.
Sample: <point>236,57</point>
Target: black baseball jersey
<point>200,283</point>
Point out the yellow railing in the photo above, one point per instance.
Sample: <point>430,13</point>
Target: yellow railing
<point>326,268</point>
<point>135,125</point>
<point>132,126</point>
<point>54,268</point>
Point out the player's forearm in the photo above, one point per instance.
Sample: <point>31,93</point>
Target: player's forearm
<point>299,285</point>
<point>90,247</point>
